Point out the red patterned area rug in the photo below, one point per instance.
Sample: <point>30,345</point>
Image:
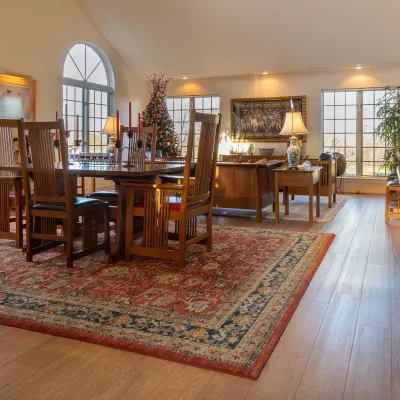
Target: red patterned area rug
<point>225,311</point>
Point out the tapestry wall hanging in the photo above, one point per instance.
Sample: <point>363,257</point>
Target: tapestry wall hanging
<point>261,119</point>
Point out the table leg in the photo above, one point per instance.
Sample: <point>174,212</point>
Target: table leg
<point>318,190</point>
<point>286,196</point>
<point>387,205</point>
<point>276,199</point>
<point>258,197</point>
<point>330,197</point>
<point>118,252</point>
<point>310,203</point>
<point>258,215</point>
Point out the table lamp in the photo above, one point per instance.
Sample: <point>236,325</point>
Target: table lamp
<point>110,128</point>
<point>293,125</point>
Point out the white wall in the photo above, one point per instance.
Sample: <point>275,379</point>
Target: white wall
<point>307,83</point>
<point>36,36</point>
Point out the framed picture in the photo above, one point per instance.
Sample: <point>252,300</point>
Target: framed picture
<point>261,119</point>
<point>17,97</point>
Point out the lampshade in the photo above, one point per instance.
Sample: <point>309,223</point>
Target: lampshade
<point>293,124</point>
<point>110,127</point>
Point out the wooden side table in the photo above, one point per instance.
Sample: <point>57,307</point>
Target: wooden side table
<point>392,209</point>
<point>297,178</point>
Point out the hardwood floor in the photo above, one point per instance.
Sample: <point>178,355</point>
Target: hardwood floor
<point>343,341</point>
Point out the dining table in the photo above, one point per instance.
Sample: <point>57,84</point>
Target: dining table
<point>119,174</point>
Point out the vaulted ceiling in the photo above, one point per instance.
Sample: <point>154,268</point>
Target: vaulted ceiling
<point>231,37</point>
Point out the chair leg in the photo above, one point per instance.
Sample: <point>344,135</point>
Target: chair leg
<point>129,227</point>
<point>70,243</point>
<point>182,242</point>
<point>65,230</point>
<point>106,231</point>
<point>29,227</point>
<point>209,231</point>
<point>18,227</point>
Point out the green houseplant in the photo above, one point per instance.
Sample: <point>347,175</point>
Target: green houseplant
<point>388,130</point>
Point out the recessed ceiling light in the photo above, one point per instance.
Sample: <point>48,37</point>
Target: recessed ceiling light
<point>184,77</point>
<point>265,73</point>
<point>359,67</point>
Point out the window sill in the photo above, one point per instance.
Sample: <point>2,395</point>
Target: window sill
<point>372,179</point>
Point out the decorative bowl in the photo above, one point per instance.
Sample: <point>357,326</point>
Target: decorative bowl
<point>266,152</point>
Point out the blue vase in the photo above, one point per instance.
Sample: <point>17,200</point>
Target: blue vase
<point>293,153</point>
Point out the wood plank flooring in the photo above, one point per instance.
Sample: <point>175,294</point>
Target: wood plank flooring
<point>343,341</point>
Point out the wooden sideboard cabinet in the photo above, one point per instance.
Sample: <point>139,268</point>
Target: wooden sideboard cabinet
<point>245,185</point>
<point>327,179</point>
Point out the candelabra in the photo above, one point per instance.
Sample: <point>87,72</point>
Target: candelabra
<point>136,151</point>
<point>74,147</point>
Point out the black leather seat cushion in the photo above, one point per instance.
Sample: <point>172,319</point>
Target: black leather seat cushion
<point>104,193</point>
<point>77,202</point>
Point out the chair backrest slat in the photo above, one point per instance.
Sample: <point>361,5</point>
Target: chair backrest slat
<point>7,158</point>
<point>206,155</point>
<point>43,162</point>
<point>41,139</point>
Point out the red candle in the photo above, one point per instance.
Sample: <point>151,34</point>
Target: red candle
<point>130,115</point>
<point>77,127</point>
<point>57,128</point>
<point>66,117</point>
<point>117,124</point>
<point>139,127</point>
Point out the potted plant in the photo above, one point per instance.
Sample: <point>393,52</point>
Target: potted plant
<point>388,131</point>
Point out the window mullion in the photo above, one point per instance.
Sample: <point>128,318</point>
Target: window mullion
<point>85,117</point>
<point>359,143</point>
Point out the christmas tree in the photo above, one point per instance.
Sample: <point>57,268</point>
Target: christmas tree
<point>156,113</point>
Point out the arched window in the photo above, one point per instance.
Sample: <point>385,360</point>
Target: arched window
<point>88,92</point>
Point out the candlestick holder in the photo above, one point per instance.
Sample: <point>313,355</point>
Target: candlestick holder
<point>118,148</point>
<point>131,148</point>
<point>56,144</point>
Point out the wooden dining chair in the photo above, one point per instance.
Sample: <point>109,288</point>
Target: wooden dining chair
<point>11,198</point>
<point>52,203</point>
<point>179,203</point>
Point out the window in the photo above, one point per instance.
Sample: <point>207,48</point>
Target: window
<point>179,107</point>
<point>349,120</point>
<point>87,92</point>
<point>373,150</point>
<point>340,126</point>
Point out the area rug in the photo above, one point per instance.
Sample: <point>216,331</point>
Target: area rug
<point>298,210</point>
<point>224,311</point>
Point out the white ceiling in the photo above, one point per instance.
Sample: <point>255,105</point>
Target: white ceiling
<point>227,37</point>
